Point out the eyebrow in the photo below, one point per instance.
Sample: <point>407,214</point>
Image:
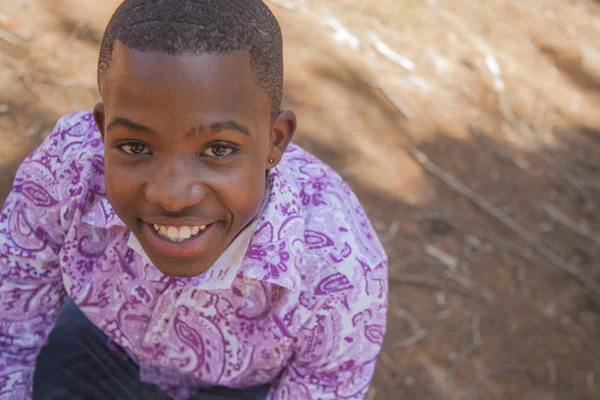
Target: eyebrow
<point>229,125</point>
<point>217,127</point>
<point>129,124</point>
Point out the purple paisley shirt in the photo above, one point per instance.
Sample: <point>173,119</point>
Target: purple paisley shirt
<point>299,302</point>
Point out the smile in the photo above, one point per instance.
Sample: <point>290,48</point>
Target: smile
<point>178,234</point>
<point>179,241</point>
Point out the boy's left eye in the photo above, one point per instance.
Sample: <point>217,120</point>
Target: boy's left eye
<point>218,150</point>
<point>135,148</point>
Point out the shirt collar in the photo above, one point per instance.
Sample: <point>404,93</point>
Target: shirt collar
<point>262,251</point>
<point>275,252</point>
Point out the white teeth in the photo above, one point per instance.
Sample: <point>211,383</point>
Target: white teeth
<point>185,232</point>
<point>172,233</point>
<point>180,233</point>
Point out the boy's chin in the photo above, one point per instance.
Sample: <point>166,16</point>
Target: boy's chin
<point>189,270</point>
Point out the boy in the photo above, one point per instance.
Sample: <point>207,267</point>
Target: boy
<point>174,238</point>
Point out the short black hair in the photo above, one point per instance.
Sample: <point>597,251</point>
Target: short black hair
<point>178,27</point>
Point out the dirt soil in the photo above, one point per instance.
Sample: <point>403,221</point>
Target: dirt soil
<point>471,132</point>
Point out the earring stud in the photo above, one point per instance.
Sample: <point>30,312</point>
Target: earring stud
<point>271,161</point>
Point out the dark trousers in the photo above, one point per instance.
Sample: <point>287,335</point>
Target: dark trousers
<point>77,363</point>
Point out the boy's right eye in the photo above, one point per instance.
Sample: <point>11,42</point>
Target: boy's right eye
<point>135,148</point>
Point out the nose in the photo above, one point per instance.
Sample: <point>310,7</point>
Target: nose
<point>175,187</point>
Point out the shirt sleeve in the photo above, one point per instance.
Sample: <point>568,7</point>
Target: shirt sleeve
<point>339,345</point>
<point>31,290</point>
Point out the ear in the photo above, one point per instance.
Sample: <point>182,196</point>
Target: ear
<point>282,132</point>
<point>100,117</point>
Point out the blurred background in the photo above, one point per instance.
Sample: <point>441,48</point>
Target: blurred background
<point>470,130</point>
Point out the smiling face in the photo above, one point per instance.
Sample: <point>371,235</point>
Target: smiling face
<point>187,142</point>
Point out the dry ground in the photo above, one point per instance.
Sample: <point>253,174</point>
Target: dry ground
<point>471,132</point>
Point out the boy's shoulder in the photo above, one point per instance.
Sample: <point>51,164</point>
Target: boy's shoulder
<point>72,155</point>
<point>74,141</point>
<point>314,230</point>
<point>76,134</point>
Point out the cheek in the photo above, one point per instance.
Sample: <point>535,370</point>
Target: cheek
<point>243,191</point>
<point>120,183</point>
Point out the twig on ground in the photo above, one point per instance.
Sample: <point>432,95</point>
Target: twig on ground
<point>566,296</point>
<point>552,371</point>
<point>393,228</point>
<point>75,32</point>
<point>544,128</point>
<point>390,54</point>
<point>440,255</point>
<point>445,314</point>
<point>483,234</point>
<point>469,351</point>
<point>341,34</point>
<point>292,5</point>
<point>486,52</point>
<point>500,369</point>
<point>507,221</point>
<point>469,94</point>
<point>460,360</point>
<point>516,273</point>
<point>569,223</point>
<point>409,341</point>
<point>72,83</point>
<point>461,188</point>
<point>409,318</point>
<point>501,153</point>
<point>569,178</point>
<point>388,363</point>
<point>473,241</point>
<point>515,123</point>
<point>463,281</point>
<point>418,332</point>
<point>548,122</point>
<point>371,393</point>
<point>477,330</point>
<point>590,379</point>
<point>475,259</point>
<point>429,283</point>
<point>396,101</point>
<point>12,39</point>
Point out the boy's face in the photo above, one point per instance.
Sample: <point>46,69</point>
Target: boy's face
<point>187,142</point>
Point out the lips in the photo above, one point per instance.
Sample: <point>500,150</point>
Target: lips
<point>179,241</point>
<point>178,233</point>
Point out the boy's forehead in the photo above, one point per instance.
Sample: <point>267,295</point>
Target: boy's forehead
<point>221,78</point>
<point>142,65</point>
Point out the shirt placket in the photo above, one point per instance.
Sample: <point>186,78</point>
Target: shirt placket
<point>160,328</point>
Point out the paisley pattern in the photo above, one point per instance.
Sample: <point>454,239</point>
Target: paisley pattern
<point>302,306</point>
